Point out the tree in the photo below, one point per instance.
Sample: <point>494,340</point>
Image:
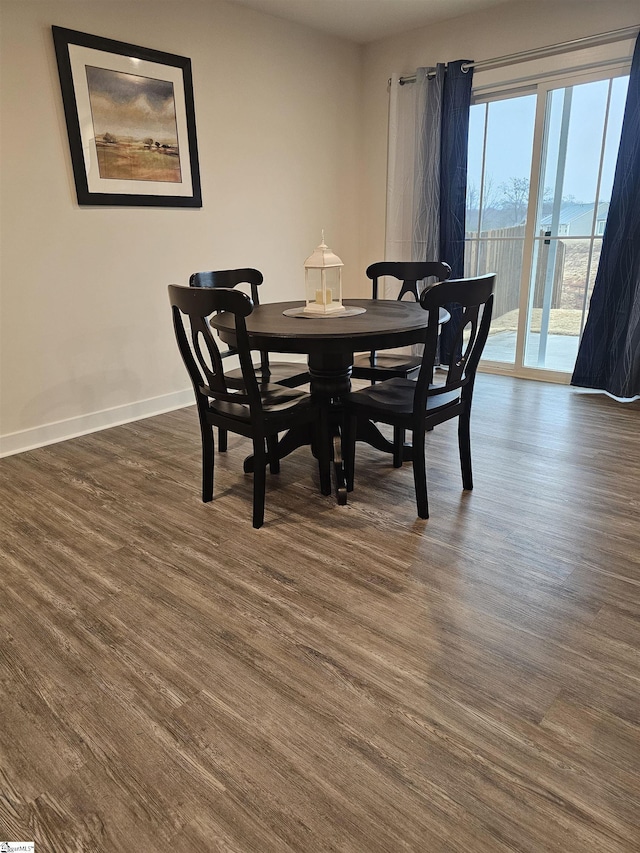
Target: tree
<point>109,137</point>
<point>473,196</point>
<point>515,198</point>
<point>490,198</point>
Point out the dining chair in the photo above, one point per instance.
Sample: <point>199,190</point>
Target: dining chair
<point>377,366</point>
<point>257,411</point>
<point>421,405</point>
<point>282,373</point>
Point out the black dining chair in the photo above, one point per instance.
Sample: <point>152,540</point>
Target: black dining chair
<point>287,373</point>
<point>281,372</point>
<point>257,411</point>
<point>378,366</point>
<point>421,405</point>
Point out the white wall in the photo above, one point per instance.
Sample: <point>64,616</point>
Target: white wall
<point>498,31</point>
<point>292,130</point>
<point>86,335</point>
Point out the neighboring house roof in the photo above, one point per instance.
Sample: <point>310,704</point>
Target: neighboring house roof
<point>570,212</point>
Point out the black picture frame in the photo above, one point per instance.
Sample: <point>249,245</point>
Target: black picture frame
<point>149,156</point>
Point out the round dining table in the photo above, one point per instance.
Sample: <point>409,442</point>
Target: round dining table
<point>329,343</point>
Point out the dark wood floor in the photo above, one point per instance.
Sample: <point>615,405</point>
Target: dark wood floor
<point>344,679</point>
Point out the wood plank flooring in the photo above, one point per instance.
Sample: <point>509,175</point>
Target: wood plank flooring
<point>345,679</point>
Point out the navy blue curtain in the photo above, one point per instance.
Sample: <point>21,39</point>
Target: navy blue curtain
<point>609,353</point>
<point>454,142</point>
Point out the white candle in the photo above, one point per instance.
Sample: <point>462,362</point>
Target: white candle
<point>325,299</point>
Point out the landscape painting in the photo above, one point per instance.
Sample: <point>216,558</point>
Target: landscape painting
<point>130,120</point>
<point>134,123</point>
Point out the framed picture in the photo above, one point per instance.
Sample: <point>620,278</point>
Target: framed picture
<point>131,122</point>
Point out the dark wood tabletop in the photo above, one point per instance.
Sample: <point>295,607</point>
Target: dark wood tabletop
<point>384,324</point>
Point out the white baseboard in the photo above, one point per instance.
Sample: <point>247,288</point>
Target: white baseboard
<point>30,439</point>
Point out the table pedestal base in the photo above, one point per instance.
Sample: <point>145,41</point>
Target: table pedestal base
<point>330,379</point>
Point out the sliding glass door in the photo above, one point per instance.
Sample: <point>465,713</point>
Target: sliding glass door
<point>541,164</point>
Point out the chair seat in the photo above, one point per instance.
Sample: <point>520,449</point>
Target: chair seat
<point>276,399</point>
<point>392,364</point>
<point>396,396</point>
<point>287,373</point>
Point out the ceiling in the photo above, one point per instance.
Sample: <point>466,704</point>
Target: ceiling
<point>364,21</point>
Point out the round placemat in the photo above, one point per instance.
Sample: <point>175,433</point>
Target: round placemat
<point>349,311</point>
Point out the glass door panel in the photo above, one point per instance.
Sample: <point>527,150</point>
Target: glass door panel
<point>571,210</point>
<point>500,149</point>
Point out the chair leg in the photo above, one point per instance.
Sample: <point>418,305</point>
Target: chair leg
<point>464,443</point>
<point>259,480</point>
<point>274,459</point>
<point>222,440</point>
<point>398,446</point>
<point>420,473</point>
<point>208,455</point>
<point>349,450</point>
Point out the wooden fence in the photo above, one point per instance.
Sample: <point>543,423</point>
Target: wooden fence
<point>500,251</point>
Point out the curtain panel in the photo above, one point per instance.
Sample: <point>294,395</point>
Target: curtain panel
<point>609,353</point>
<point>427,169</point>
<point>454,144</point>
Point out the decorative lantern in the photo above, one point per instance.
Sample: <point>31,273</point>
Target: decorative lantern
<point>323,282</point>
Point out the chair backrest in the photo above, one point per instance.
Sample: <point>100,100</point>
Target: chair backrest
<point>200,351</point>
<point>409,273</point>
<point>232,278</point>
<point>475,297</point>
<point>229,278</point>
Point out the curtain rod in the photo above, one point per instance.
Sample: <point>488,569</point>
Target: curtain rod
<point>540,52</point>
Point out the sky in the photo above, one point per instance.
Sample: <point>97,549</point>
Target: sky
<point>131,105</point>
<point>510,138</point>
